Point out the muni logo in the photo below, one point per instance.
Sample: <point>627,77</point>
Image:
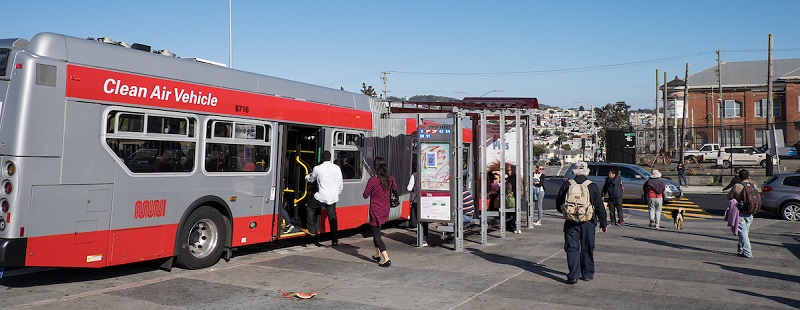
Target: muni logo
<point>150,208</point>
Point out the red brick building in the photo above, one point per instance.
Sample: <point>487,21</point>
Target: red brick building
<point>744,90</point>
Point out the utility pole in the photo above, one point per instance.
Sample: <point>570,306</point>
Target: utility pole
<point>384,78</point>
<point>721,101</point>
<point>685,104</point>
<point>655,113</point>
<point>664,99</point>
<point>230,33</point>
<point>770,116</point>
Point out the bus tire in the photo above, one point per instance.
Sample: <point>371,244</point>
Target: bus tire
<point>201,239</point>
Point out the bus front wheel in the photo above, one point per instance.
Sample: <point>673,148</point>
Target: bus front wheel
<point>201,239</point>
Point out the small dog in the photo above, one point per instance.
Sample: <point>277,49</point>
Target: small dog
<point>677,216</point>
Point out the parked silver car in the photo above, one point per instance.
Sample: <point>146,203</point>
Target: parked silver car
<point>781,194</point>
<point>633,178</point>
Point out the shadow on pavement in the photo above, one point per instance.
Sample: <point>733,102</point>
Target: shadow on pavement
<point>679,246</point>
<point>783,300</point>
<point>759,273</point>
<point>531,267</point>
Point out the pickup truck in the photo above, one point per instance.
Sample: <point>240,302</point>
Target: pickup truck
<point>708,152</point>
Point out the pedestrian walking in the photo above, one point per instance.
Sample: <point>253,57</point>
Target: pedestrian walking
<point>734,180</point>
<point>653,190</point>
<point>378,192</point>
<point>329,186</point>
<point>682,175</point>
<point>613,188</point>
<point>581,202</point>
<point>538,192</point>
<point>748,202</point>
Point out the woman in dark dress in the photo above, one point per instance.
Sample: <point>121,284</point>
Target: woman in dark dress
<point>377,191</point>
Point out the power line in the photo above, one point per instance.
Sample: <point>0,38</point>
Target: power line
<point>553,71</point>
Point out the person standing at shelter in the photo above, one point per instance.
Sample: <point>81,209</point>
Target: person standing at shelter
<point>511,178</point>
<point>682,175</point>
<point>738,192</point>
<point>613,187</point>
<point>329,183</point>
<point>494,192</point>
<point>653,190</point>
<point>378,192</point>
<point>579,235</point>
<point>414,199</point>
<point>538,192</point>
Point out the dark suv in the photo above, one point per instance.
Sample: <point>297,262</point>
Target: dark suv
<point>633,178</point>
<point>781,194</point>
<point>554,161</point>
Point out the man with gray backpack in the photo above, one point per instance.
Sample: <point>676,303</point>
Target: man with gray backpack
<point>581,203</point>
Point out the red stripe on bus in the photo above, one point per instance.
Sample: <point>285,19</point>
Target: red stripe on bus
<point>102,248</point>
<point>115,247</point>
<point>126,88</point>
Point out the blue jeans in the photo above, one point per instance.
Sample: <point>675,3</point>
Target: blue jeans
<point>682,178</point>
<point>579,245</point>
<point>744,235</point>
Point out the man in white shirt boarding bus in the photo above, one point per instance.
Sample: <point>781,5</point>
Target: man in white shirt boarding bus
<point>329,183</point>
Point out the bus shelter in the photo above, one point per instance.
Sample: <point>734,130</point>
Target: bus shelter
<point>447,165</point>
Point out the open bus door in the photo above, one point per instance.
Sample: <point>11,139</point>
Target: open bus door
<point>300,150</point>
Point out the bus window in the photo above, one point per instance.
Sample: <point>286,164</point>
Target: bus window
<point>167,125</point>
<point>3,60</point>
<point>130,122</point>
<point>237,147</point>
<point>150,152</point>
<point>349,162</point>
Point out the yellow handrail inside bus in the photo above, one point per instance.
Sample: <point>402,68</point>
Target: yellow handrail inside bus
<point>305,190</point>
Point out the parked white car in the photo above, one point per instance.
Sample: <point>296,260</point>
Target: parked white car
<point>743,156</point>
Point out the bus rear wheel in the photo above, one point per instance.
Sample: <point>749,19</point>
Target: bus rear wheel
<point>201,239</point>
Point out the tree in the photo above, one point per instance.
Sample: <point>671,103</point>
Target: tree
<point>566,147</point>
<point>369,91</point>
<point>611,116</point>
<point>545,132</point>
<point>538,150</point>
<point>581,108</point>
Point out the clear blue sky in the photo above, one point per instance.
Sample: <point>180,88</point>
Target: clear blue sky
<point>565,53</point>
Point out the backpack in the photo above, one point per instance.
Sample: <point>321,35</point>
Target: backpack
<point>578,205</point>
<point>751,199</point>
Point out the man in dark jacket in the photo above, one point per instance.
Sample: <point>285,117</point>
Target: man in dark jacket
<point>613,187</point>
<point>579,236</point>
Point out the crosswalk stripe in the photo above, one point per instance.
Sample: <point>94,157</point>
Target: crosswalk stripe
<point>691,210</point>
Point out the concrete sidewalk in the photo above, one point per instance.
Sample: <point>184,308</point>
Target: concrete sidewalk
<point>636,268</point>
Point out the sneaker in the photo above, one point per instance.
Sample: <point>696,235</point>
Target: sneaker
<point>571,281</point>
<point>616,224</point>
<point>288,229</point>
<point>518,231</point>
<point>537,223</point>
<point>424,243</point>
<point>621,223</point>
<point>651,224</point>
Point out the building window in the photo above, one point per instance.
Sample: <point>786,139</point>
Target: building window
<point>733,108</point>
<point>760,108</point>
<point>733,136</point>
